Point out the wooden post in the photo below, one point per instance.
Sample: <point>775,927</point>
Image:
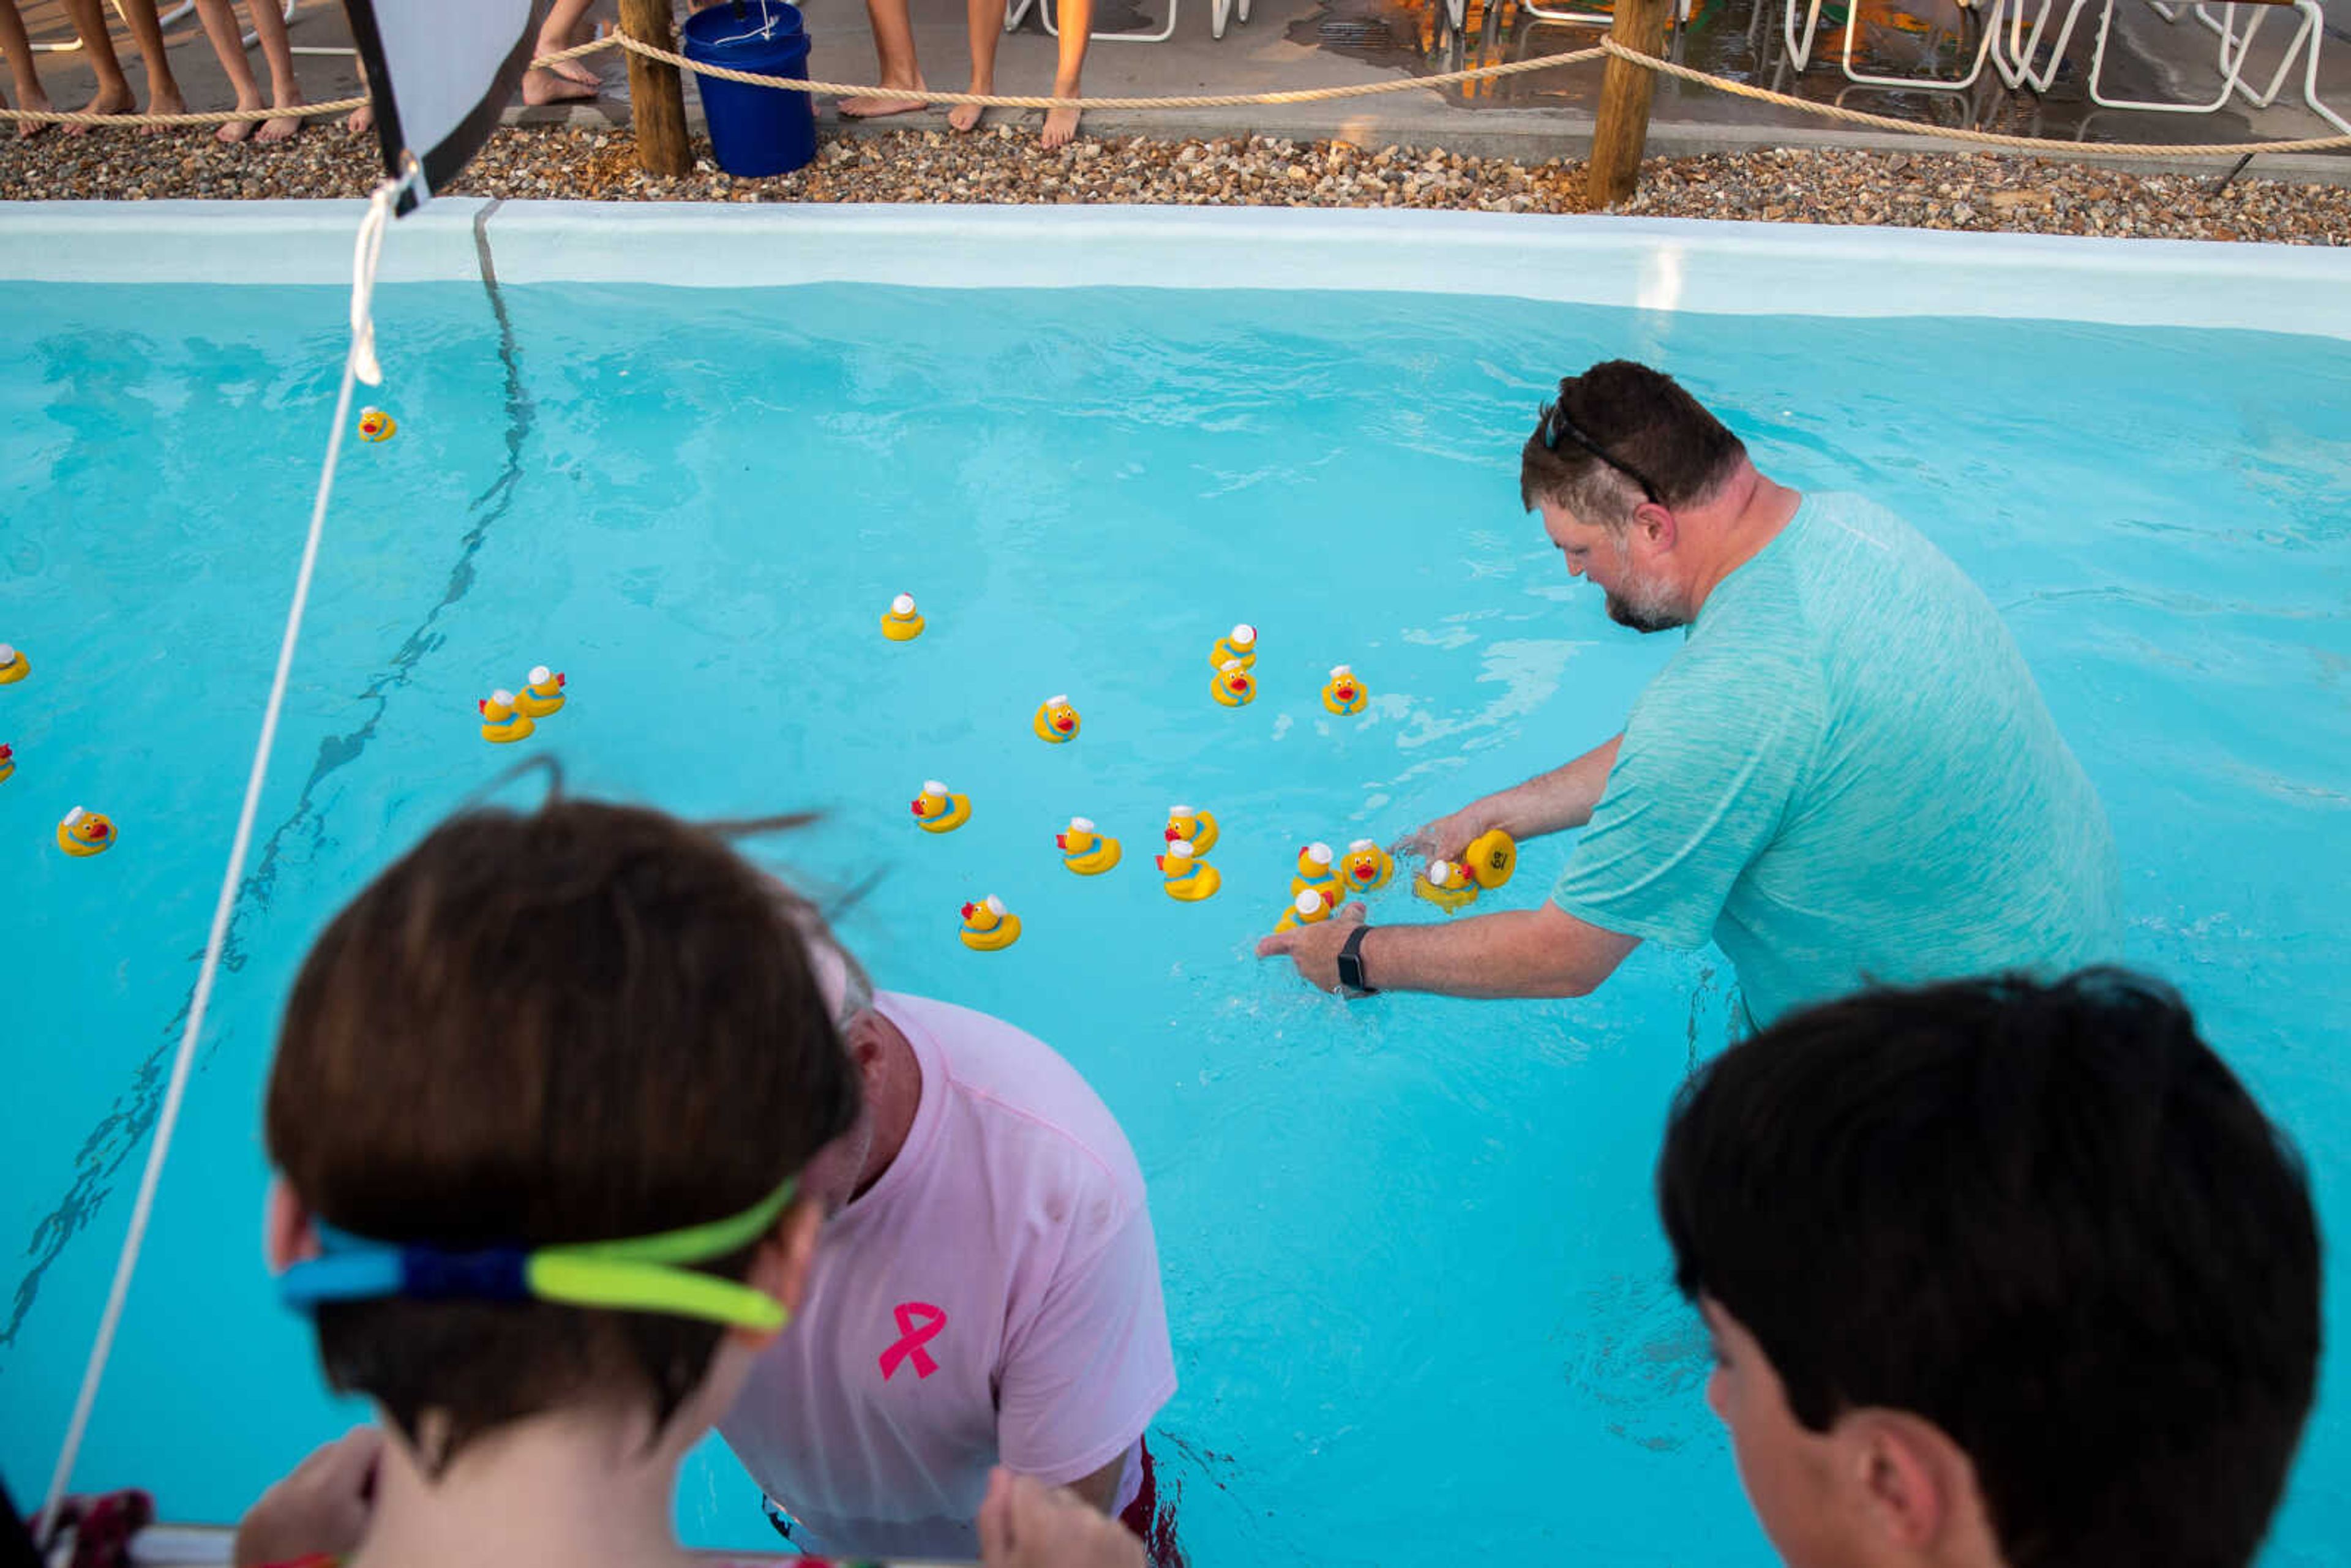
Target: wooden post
<point>656,96</point>
<point>1622,128</point>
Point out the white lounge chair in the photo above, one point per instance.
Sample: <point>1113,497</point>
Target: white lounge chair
<point>2023,47</point>
<point>1217,10</point>
<point>1799,49</point>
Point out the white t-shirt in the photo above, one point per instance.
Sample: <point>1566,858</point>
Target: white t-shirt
<point>993,1299</point>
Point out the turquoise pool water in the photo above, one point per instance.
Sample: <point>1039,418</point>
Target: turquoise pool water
<point>1418,1294</point>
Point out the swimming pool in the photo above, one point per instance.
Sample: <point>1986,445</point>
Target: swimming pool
<point>1417,1292</point>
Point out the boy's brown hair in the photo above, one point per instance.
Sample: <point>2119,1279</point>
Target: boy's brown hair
<point>583,1023</point>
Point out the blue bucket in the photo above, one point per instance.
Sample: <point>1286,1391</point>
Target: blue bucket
<point>754,131</point>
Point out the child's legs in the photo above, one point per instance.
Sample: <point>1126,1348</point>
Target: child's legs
<point>228,42</point>
<point>90,25</point>
<point>987,22</point>
<point>19,50</point>
<point>162,91</point>
<point>276,47</point>
<point>1076,20</point>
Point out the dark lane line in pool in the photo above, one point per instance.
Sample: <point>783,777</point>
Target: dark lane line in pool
<point>120,1132</point>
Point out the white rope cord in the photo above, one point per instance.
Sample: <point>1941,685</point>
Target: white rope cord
<point>358,364</point>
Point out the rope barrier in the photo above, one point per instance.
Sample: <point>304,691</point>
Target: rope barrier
<point>1199,101</point>
<point>1606,48</point>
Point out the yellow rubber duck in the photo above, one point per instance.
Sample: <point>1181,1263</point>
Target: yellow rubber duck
<point>7,762</point>
<point>1234,686</point>
<point>503,719</point>
<point>904,623</point>
<point>14,665</point>
<point>1084,850</point>
<point>1344,693</point>
<point>1490,858</point>
<point>376,425</point>
<point>1365,867</point>
<point>1446,885</point>
<point>1308,908</point>
<point>1197,829</point>
<point>1056,720</point>
<point>1314,870</point>
<point>937,811</point>
<point>1189,878</point>
<point>541,694</point>
<point>1240,645</point>
<point>84,834</point>
<point>988,927</point>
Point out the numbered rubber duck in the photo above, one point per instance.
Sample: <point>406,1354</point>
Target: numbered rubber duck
<point>902,623</point>
<point>988,927</point>
<point>1315,870</point>
<point>1084,850</point>
<point>14,665</point>
<point>85,833</point>
<point>1197,829</point>
<point>1446,885</point>
<point>1308,908</point>
<point>1365,867</point>
<point>541,694</point>
<point>1234,686</point>
<point>937,811</point>
<point>7,762</point>
<point>375,426</point>
<point>1056,722</point>
<point>503,720</point>
<point>1241,645</point>
<point>1491,858</point>
<point>1189,877</point>
<point>1344,693</point>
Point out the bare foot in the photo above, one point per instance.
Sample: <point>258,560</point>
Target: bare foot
<point>544,86</point>
<point>165,101</point>
<point>883,103</point>
<point>361,120</point>
<point>109,101</point>
<point>1060,125</point>
<point>579,71</point>
<point>237,131</point>
<point>281,127</point>
<point>38,103</point>
<point>967,116</point>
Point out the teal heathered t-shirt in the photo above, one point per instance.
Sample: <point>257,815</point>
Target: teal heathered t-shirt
<point>1846,775</point>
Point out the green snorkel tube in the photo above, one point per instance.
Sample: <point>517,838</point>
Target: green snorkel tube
<point>642,1274</point>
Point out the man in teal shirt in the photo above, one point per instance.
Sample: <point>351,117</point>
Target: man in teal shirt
<point>1844,775</point>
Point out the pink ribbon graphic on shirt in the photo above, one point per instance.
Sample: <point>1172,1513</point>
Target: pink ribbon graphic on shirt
<point>910,1314</point>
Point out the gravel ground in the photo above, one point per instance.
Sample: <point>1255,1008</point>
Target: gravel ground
<point>1946,190</point>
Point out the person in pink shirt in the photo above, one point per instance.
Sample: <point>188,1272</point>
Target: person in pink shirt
<point>986,1294</point>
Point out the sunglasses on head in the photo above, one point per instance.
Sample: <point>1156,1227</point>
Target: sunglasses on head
<point>1556,425</point>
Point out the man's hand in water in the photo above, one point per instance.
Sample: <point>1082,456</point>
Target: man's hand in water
<point>1448,837</point>
<point>1024,1523</point>
<point>1314,948</point>
<point>322,1508</point>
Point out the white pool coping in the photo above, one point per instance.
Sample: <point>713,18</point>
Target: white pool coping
<point>1720,268</point>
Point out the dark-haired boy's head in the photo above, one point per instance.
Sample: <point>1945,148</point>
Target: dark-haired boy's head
<point>587,1023</point>
<point>1999,1272</point>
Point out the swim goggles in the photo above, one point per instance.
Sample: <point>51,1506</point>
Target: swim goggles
<point>638,1275</point>
<point>1556,424</point>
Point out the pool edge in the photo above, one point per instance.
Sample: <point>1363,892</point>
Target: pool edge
<point>1699,265</point>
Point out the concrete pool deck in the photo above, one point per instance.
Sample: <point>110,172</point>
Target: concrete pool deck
<point>1323,43</point>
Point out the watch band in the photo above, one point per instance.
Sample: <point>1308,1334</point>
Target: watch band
<point>1351,962</point>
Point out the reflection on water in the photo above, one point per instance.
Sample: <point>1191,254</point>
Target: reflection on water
<point>1746,40</point>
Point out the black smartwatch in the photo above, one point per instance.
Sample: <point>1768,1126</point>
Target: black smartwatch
<point>1351,964</point>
